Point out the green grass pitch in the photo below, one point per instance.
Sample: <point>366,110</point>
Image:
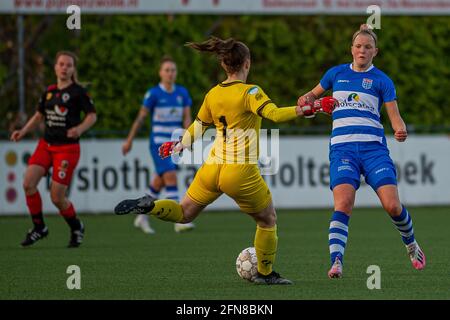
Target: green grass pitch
<point>119,262</point>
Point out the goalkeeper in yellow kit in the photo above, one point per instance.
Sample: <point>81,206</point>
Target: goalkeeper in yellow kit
<point>235,109</point>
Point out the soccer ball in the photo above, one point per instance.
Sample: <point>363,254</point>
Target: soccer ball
<point>247,264</point>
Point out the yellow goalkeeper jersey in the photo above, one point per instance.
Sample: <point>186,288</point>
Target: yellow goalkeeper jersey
<point>236,109</point>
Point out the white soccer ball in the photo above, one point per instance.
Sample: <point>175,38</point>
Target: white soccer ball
<point>247,264</point>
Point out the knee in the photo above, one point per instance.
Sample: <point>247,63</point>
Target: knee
<point>267,219</point>
<point>29,187</point>
<point>344,205</point>
<point>272,220</point>
<point>394,208</point>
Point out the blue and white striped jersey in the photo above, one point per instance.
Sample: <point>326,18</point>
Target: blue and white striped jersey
<point>360,96</point>
<point>166,109</point>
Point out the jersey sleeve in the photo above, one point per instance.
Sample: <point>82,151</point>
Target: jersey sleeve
<point>328,78</point>
<point>260,104</point>
<point>149,100</point>
<point>388,92</point>
<point>276,114</point>
<point>197,128</point>
<point>86,102</point>
<point>204,114</point>
<point>187,100</point>
<point>195,131</point>
<point>257,100</point>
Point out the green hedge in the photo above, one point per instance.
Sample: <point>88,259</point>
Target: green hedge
<point>119,58</point>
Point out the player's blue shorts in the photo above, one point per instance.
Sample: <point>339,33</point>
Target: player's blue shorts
<point>161,165</point>
<point>348,161</point>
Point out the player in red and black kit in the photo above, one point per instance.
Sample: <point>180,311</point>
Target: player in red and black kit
<point>60,107</point>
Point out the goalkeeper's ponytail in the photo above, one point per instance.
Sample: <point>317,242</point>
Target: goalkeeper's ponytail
<point>367,30</point>
<point>231,53</point>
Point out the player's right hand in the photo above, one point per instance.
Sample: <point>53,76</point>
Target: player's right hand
<point>169,148</point>
<point>306,105</point>
<point>401,135</point>
<point>301,101</point>
<point>17,135</point>
<point>306,99</point>
<point>126,147</point>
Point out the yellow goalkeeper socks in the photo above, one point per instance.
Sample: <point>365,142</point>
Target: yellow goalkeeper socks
<point>167,210</point>
<point>266,241</point>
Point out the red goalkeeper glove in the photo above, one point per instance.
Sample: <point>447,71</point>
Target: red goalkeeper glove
<point>306,103</point>
<point>325,105</point>
<point>308,111</point>
<point>169,148</point>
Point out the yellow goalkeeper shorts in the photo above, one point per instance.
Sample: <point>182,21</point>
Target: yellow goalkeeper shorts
<point>241,182</point>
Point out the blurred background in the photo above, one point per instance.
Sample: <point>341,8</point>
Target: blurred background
<point>292,43</point>
<point>291,49</point>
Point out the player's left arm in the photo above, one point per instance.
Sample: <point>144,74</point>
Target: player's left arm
<point>389,96</point>
<point>89,120</point>
<point>397,123</point>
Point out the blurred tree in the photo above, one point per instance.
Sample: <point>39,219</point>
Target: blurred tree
<point>119,58</point>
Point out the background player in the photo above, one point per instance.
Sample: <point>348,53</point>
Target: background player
<point>235,109</point>
<point>358,145</point>
<point>60,107</point>
<point>170,107</point>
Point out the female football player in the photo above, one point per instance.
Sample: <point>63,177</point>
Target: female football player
<point>170,107</point>
<point>358,145</point>
<point>60,107</point>
<point>235,109</point>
